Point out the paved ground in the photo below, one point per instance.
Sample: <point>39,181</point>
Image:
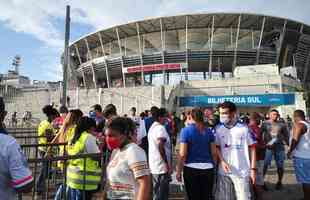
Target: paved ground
<point>291,190</point>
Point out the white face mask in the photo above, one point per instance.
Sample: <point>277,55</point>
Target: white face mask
<point>224,119</point>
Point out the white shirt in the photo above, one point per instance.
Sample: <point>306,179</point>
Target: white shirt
<point>156,163</point>
<point>234,144</point>
<point>303,148</point>
<point>123,169</point>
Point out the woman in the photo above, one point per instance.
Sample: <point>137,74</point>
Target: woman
<point>128,175</point>
<point>46,134</point>
<point>83,178</point>
<point>196,158</point>
<point>65,134</point>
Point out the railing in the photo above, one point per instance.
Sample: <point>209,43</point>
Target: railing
<point>55,178</point>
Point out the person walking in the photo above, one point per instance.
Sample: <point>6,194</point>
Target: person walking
<point>15,175</point>
<point>83,175</point>
<point>196,158</point>
<point>254,122</point>
<point>160,155</point>
<point>128,174</point>
<point>300,149</point>
<point>236,153</point>
<point>276,136</point>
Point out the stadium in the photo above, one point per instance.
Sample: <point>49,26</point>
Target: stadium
<point>228,56</point>
<point>189,47</point>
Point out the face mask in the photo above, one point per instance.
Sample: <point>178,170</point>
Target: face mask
<point>224,119</point>
<point>112,143</point>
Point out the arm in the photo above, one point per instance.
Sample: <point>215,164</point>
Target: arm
<point>144,187</point>
<point>21,178</point>
<point>286,135</point>
<point>253,163</point>
<point>162,152</point>
<point>181,159</point>
<point>221,160</point>
<point>298,130</point>
<point>214,152</point>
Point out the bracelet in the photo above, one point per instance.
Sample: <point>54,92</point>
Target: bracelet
<point>254,169</point>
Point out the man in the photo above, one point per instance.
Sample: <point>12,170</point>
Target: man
<point>150,119</point>
<point>97,115</point>
<point>58,122</point>
<point>15,176</point>
<point>275,134</point>
<point>160,156</point>
<point>133,115</point>
<point>300,148</point>
<point>254,122</point>
<point>234,141</point>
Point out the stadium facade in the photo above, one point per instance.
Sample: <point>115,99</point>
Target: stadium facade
<point>188,47</point>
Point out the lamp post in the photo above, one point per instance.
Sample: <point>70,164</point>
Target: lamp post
<point>66,58</point>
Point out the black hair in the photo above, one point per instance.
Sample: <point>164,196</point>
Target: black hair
<point>47,110</point>
<point>197,115</point>
<point>300,113</point>
<point>154,109</point>
<point>109,110</point>
<point>161,112</point>
<point>97,107</point>
<point>63,109</point>
<point>76,115</point>
<point>84,124</point>
<point>133,109</point>
<point>228,104</point>
<point>274,110</point>
<point>125,126</point>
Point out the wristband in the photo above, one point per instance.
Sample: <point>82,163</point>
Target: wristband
<point>254,169</point>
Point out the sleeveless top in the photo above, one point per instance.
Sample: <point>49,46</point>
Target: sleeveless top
<point>303,148</point>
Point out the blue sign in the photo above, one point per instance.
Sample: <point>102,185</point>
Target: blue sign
<point>241,100</point>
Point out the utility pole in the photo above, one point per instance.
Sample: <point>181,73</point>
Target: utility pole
<point>66,58</point>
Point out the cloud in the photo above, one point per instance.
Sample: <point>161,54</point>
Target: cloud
<point>44,19</point>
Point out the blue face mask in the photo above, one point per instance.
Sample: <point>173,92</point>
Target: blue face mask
<point>224,119</point>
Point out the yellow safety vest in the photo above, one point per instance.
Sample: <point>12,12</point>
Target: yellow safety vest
<point>76,172</point>
<point>43,126</point>
<point>68,136</point>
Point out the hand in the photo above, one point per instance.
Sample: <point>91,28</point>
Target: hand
<point>289,155</point>
<point>169,169</point>
<point>178,176</point>
<point>253,176</point>
<point>225,167</point>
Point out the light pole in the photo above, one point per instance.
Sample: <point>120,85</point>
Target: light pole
<point>66,58</point>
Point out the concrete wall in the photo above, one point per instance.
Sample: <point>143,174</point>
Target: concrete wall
<point>124,98</point>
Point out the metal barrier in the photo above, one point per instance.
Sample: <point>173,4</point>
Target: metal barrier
<point>56,175</point>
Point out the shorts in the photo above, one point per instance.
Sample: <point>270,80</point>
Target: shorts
<point>260,172</point>
<point>279,157</point>
<point>302,170</point>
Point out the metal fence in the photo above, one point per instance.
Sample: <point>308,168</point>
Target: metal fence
<point>56,170</point>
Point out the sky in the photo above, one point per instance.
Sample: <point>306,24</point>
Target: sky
<point>35,29</point>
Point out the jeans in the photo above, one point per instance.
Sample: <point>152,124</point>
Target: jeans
<point>43,174</point>
<point>279,157</point>
<point>74,194</point>
<point>198,183</point>
<point>161,186</point>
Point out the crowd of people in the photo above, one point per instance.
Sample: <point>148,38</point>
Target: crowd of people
<point>220,155</point>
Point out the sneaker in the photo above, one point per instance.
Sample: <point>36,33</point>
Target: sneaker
<point>279,186</point>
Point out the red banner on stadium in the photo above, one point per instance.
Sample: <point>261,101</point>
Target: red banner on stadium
<point>153,68</point>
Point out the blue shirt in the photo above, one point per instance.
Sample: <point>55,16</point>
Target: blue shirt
<point>199,144</point>
<point>148,123</point>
